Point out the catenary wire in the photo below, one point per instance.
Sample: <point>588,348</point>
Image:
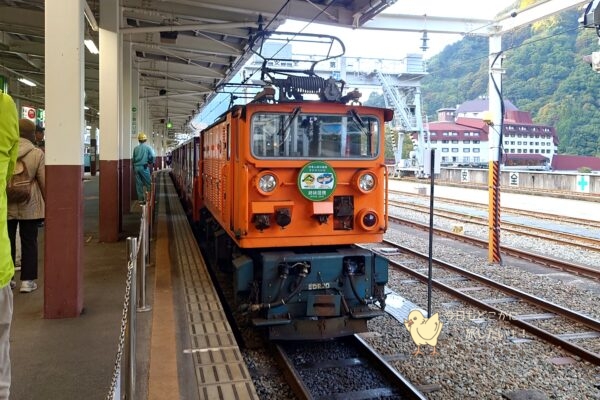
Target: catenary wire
<point>321,11</point>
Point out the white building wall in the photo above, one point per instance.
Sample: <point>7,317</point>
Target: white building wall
<point>472,150</point>
<point>529,144</point>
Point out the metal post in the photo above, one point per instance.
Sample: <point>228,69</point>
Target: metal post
<point>431,204</point>
<point>131,331</point>
<point>149,211</point>
<point>117,391</point>
<point>142,306</point>
<point>495,139</point>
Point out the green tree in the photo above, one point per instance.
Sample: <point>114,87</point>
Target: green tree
<point>545,75</point>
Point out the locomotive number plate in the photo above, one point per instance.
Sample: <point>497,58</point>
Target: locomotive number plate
<point>318,286</point>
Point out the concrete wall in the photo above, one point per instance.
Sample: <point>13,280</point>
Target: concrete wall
<point>565,181</point>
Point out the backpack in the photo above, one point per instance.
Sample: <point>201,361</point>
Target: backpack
<point>18,188</point>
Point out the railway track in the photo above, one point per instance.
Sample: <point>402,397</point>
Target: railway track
<point>560,237</point>
<point>509,305</point>
<point>344,369</point>
<point>507,210</point>
<point>527,191</point>
<point>561,265</point>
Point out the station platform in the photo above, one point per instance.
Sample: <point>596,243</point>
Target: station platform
<point>185,347</point>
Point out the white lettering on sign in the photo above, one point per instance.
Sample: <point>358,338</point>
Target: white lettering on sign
<point>514,179</point>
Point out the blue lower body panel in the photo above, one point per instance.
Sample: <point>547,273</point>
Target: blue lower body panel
<point>308,294</point>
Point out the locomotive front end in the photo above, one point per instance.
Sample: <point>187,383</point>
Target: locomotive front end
<point>316,185</point>
<point>315,176</point>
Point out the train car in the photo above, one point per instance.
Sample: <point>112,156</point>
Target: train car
<point>185,175</point>
<point>284,188</point>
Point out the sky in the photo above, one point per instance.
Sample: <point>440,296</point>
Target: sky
<point>377,44</point>
<point>395,45</point>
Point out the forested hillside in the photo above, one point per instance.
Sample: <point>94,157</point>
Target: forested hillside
<point>545,75</point>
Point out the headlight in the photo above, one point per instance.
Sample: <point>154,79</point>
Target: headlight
<point>267,183</point>
<point>366,183</point>
<point>368,219</point>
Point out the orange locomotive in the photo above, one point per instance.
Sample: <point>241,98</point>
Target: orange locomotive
<point>281,190</point>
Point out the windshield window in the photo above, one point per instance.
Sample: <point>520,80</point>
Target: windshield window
<point>299,135</point>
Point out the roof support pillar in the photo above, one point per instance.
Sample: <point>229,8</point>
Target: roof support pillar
<point>110,103</point>
<point>126,128</point>
<point>63,249</point>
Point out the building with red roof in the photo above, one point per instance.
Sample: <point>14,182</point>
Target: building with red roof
<point>461,136</point>
<point>564,162</point>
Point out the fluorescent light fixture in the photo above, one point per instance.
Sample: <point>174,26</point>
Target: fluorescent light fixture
<point>91,46</point>
<point>27,82</point>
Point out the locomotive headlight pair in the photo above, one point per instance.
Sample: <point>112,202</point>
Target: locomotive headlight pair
<point>267,182</point>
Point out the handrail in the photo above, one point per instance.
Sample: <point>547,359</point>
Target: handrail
<point>133,303</point>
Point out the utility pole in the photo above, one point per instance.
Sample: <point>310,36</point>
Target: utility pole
<point>495,137</point>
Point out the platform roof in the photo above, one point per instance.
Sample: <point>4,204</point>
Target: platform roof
<point>212,43</point>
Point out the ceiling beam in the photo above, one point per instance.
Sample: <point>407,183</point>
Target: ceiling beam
<point>535,13</point>
<point>431,24</point>
<point>470,26</point>
<point>192,27</point>
<point>161,68</point>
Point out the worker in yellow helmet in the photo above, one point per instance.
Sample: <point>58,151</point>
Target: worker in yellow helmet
<point>143,159</point>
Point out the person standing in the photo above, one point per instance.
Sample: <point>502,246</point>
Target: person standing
<point>143,159</point>
<point>39,137</point>
<point>9,143</point>
<point>28,214</point>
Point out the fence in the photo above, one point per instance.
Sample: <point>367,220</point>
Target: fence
<point>138,249</point>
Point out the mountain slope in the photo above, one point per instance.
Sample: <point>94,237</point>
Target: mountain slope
<point>545,75</point>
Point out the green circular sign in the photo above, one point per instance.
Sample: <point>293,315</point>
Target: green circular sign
<point>316,181</point>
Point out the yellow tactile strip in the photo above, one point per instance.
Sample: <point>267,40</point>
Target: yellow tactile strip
<point>163,376</point>
<point>220,368</point>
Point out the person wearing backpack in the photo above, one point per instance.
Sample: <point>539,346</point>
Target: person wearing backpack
<point>9,141</point>
<point>26,212</point>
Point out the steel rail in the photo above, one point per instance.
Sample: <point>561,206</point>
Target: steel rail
<point>555,308</point>
<point>291,374</point>
<point>563,194</point>
<point>398,384</point>
<point>536,214</point>
<point>577,269</point>
<point>589,243</point>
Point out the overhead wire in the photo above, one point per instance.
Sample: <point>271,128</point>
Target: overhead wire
<point>430,73</point>
<point>445,68</point>
<point>486,57</point>
<point>245,80</point>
